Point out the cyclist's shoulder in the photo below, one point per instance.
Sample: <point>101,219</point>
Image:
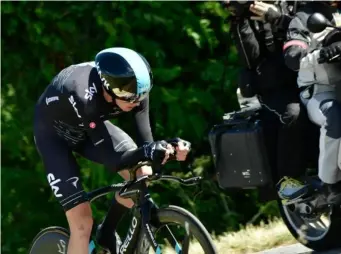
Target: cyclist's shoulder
<point>75,71</point>
<point>76,77</point>
<point>86,66</point>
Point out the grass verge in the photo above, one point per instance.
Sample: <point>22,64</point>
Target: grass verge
<point>253,239</point>
<point>250,239</point>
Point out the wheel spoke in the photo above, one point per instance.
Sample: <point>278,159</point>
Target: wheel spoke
<point>172,240</point>
<point>188,234</point>
<point>320,221</point>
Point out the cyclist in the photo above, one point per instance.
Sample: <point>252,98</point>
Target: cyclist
<point>72,116</point>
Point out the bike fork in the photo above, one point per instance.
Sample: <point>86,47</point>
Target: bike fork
<point>92,247</point>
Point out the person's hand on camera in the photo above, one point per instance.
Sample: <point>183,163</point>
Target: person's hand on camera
<point>265,12</point>
<point>236,8</point>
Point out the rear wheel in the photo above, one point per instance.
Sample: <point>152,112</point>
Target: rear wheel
<point>51,240</point>
<point>318,231</point>
<point>177,230</point>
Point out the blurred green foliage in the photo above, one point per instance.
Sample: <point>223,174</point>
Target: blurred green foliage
<point>194,65</point>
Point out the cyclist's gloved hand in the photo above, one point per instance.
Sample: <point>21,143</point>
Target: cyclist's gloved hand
<point>330,51</point>
<point>182,148</point>
<point>158,151</point>
<point>265,12</point>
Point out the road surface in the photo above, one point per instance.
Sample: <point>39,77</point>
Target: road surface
<point>296,249</point>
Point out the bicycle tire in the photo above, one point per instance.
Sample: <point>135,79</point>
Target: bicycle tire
<point>50,240</point>
<point>178,215</point>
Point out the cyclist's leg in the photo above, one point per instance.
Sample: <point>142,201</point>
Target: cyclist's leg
<point>121,142</point>
<point>63,176</point>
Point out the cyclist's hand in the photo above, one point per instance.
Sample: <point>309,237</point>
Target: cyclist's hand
<point>158,151</point>
<point>170,150</point>
<point>182,149</point>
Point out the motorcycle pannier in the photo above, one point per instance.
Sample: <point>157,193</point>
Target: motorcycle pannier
<point>239,154</point>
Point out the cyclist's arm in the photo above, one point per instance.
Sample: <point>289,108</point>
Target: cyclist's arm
<point>142,122</point>
<point>101,138</point>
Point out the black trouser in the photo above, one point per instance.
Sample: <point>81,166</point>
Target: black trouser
<point>291,140</point>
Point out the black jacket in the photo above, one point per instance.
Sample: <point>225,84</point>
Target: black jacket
<point>260,47</point>
<point>300,41</point>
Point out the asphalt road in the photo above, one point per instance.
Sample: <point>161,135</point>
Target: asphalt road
<point>296,249</point>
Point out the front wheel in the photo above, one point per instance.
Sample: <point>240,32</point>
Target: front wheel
<point>53,240</point>
<point>317,231</point>
<point>178,231</point>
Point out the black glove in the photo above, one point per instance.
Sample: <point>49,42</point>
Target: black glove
<point>334,49</point>
<point>174,142</point>
<point>155,151</point>
<point>237,8</point>
<point>272,16</point>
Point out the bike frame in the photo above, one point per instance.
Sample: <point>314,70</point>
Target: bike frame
<point>144,207</point>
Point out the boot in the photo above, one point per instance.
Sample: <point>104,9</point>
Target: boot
<point>334,194</point>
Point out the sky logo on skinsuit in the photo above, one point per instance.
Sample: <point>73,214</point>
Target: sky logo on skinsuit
<point>53,181</point>
<point>90,92</point>
<point>73,103</point>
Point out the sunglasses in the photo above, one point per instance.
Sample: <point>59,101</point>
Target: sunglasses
<point>131,98</point>
<point>124,88</point>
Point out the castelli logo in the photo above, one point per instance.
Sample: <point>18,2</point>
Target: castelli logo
<point>92,125</point>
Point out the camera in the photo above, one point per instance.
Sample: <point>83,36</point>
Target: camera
<point>237,8</point>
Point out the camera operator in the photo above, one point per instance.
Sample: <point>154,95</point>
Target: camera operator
<point>318,81</point>
<point>259,30</point>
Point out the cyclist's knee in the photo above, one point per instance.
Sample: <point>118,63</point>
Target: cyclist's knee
<point>80,220</point>
<point>127,202</point>
<point>144,170</point>
<point>124,174</point>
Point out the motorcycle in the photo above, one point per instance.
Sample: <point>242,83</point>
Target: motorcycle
<point>245,165</point>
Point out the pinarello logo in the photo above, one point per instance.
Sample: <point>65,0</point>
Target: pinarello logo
<point>92,125</point>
